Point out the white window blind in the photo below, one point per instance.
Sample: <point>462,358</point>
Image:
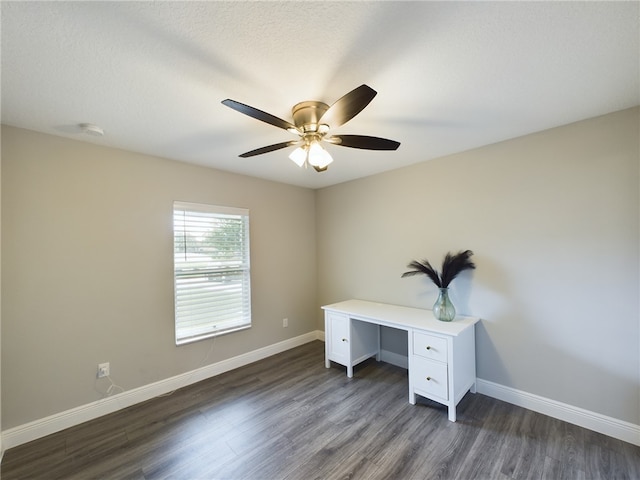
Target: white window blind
<point>212,275</point>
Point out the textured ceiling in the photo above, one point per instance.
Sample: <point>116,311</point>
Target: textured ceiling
<point>450,76</point>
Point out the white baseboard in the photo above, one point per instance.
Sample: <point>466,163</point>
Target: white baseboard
<point>69,418</point>
<point>393,358</point>
<point>625,431</point>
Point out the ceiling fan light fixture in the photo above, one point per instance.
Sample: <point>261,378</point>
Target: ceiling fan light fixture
<point>318,156</point>
<point>299,156</point>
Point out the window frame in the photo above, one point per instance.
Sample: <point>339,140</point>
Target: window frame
<point>212,273</point>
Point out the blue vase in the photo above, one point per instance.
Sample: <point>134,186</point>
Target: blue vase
<point>443,309</point>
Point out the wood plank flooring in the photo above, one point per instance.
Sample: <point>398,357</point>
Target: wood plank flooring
<point>287,417</point>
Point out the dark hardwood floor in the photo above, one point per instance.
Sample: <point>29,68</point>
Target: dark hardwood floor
<point>288,417</point>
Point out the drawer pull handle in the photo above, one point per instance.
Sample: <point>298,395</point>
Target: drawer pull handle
<point>344,339</point>
<point>428,347</point>
<point>428,379</point>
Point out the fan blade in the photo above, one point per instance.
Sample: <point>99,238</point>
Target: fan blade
<point>365,142</point>
<point>348,106</point>
<point>260,115</point>
<point>269,148</point>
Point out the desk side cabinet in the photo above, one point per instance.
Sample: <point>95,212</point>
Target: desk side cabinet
<point>442,368</point>
<point>349,342</point>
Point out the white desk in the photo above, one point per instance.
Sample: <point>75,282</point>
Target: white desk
<point>441,355</point>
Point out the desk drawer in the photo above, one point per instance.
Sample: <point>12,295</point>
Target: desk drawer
<point>430,346</point>
<point>430,377</point>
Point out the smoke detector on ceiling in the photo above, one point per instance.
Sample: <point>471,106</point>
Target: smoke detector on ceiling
<point>91,129</point>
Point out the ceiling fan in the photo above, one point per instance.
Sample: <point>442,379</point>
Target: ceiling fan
<point>312,122</point>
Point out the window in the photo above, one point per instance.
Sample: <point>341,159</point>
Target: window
<point>211,265</point>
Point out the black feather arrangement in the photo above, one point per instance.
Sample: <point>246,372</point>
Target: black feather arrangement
<point>452,265</point>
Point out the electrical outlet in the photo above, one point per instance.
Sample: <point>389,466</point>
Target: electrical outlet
<point>103,370</point>
<point>285,322</point>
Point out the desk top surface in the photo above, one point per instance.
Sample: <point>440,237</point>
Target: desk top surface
<point>400,317</point>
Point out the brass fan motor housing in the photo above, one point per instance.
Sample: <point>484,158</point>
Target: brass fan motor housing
<point>306,115</point>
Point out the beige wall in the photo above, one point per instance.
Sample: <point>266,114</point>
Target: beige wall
<point>87,269</point>
<point>553,219</point>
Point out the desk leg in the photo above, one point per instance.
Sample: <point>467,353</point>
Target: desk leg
<point>452,413</point>
<point>327,362</point>
<point>412,398</point>
<point>473,388</point>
